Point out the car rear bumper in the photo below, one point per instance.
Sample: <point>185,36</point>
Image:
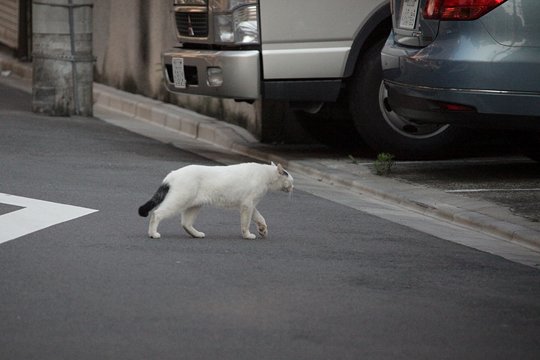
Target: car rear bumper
<point>240,71</point>
<point>466,107</point>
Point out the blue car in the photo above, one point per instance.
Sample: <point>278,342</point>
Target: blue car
<point>473,63</point>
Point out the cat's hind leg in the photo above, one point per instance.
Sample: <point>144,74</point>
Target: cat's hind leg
<point>152,227</point>
<point>157,216</point>
<point>246,212</point>
<point>188,218</point>
<point>262,228</point>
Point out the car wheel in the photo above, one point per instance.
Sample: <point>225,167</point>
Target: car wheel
<point>382,128</point>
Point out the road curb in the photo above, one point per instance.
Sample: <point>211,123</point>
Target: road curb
<point>189,123</point>
<point>479,215</point>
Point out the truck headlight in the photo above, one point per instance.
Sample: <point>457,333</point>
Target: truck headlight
<point>235,22</point>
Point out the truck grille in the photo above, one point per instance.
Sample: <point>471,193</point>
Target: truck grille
<point>192,24</point>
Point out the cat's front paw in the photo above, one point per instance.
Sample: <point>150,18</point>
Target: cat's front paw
<point>198,235</point>
<point>155,235</point>
<point>263,230</point>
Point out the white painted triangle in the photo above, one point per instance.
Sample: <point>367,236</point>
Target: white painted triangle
<point>35,215</point>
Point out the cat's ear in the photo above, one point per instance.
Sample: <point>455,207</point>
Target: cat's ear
<point>272,163</point>
<point>280,169</point>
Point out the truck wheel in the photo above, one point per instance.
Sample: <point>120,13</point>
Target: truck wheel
<point>383,129</point>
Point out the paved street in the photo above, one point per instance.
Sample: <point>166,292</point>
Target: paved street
<point>330,282</point>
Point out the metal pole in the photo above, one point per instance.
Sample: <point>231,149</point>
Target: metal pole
<point>73,63</point>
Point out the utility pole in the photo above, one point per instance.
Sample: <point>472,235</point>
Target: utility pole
<point>62,57</point>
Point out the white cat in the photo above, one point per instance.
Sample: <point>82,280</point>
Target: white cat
<point>184,191</point>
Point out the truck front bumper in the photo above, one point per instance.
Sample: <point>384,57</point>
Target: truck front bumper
<point>229,74</point>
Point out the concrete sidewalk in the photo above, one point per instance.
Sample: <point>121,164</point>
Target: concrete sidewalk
<point>477,214</point>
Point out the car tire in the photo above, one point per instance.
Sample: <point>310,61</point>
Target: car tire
<point>383,129</point>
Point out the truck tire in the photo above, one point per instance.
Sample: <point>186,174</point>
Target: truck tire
<point>383,129</point>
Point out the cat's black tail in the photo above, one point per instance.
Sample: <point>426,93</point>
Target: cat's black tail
<point>157,199</point>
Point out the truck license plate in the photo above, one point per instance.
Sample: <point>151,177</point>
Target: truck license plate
<point>407,16</point>
<point>179,77</point>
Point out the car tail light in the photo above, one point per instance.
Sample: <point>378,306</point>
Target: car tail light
<point>458,9</point>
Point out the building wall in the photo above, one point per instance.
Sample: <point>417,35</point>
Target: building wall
<point>9,22</point>
<point>129,36</point>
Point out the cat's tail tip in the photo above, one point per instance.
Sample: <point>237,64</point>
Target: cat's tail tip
<point>157,199</point>
<point>144,210</point>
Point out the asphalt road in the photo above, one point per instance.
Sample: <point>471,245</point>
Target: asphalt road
<point>330,282</point>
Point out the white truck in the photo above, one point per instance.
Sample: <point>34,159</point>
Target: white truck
<point>307,52</point>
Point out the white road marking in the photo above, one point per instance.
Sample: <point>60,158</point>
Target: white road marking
<point>35,215</point>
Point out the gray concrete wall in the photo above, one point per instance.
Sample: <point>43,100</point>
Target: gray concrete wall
<point>129,36</point>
